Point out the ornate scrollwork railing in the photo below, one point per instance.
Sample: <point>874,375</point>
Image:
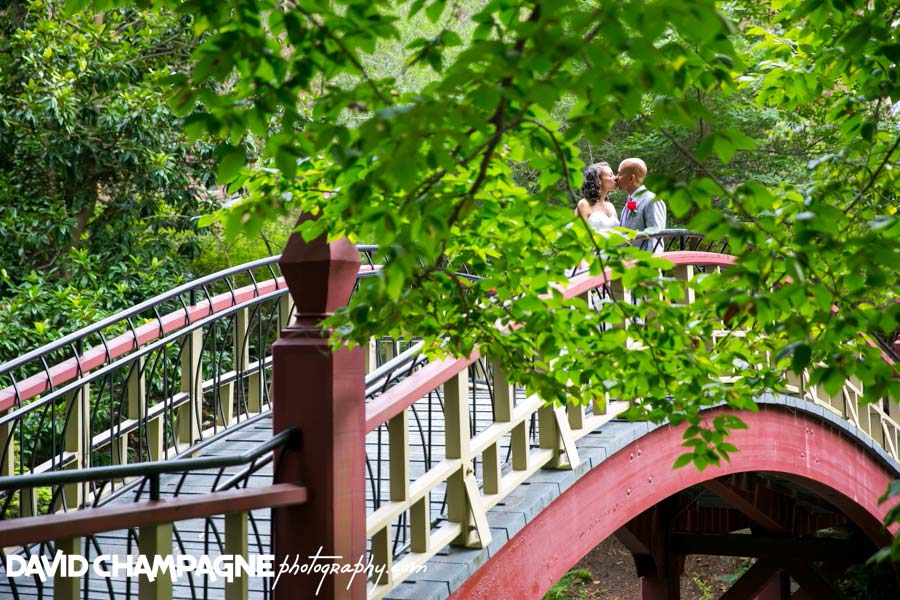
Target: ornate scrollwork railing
<point>146,384</point>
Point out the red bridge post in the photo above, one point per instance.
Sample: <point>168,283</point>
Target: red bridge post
<point>321,392</point>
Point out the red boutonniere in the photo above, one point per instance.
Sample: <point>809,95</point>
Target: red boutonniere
<point>631,204</point>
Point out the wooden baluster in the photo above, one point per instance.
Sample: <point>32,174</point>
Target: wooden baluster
<point>77,442</point>
<point>490,469</point>
<point>389,349</point>
<point>398,453</point>
<point>862,408</point>
<point>518,439</point>
<point>225,411</point>
<point>67,588</point>
<point>548,436</point>
<point>381,556</point>
<point>255,391</point>
<point>686,273</point>
<point>893,411</point>
<point>371,355</point>
<point>839,402</point>
<point>463,499</point>
<point>420,524</point>
<point>156,437</point>
<point>875,427</point>
<point>241,340</point>
<point>7,447</point>
<point>456,422</point>
<point>155,540</point>
<point>620,294</point>
<point>285,310</point>
<point>189,414</point>
<point>575,413</point>
<point>555,434</point>
<point>236,545</point>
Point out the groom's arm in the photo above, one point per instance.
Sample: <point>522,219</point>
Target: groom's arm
<point>655,215</point>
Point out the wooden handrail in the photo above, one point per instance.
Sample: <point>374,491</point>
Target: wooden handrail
<point>29,530</point>
<point>120,345</point>
<point>129,341</point>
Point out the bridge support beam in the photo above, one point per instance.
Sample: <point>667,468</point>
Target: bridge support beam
<point>648,538</point>
<point>321,392</point>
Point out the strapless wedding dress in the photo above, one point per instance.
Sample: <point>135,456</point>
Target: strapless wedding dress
<point>600,221</point>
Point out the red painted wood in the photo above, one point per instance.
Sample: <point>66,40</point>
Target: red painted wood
<point>703,259</point>
<point>753,581</point>
<point>391,403</point>
<point>639,476</point>
<point>122,344</point>
<point>27,530</point>
<point>777,588</point>
<point>323,393</point>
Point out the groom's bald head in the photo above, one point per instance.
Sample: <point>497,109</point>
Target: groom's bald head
<point>631,174</point>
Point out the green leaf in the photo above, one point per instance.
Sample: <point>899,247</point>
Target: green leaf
<point>683,460</point>
<point>893,490</point>
<point>724,148</point>
<point>75,6</point>
<point>434,10</point>
<point>700,462</point>
<point>231,162</point>
<point>286,160</point>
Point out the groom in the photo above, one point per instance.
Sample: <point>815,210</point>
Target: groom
<point>642,211</point>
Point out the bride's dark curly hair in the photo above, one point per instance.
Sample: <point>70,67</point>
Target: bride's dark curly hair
<point>590,186</point>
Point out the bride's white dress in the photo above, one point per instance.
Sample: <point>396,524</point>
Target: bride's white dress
<point>601,221</point>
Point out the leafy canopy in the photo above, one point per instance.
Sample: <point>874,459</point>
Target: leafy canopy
<point>428,174</point>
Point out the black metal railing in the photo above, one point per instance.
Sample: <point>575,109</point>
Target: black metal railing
<point>208,475</point>
<point>673,240</point>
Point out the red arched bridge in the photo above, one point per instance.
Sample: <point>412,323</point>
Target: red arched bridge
<point>202,445</point>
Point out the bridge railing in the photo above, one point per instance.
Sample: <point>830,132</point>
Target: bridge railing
<point>436,461</point>
<point>439,459</point>
<point>228,517</point>
<point>453,441</point>
<point>146,384</point>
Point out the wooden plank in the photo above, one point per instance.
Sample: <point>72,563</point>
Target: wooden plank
<point>155,540</point>
<point>67,588</point>
<point>28,530</point>
<point>398,450</point>
<point>236,545</point>
<point>188,416</point>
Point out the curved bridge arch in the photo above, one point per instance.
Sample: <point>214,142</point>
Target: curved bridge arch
<point>823,455</point>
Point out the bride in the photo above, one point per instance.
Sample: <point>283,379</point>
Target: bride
<point>594,208</point>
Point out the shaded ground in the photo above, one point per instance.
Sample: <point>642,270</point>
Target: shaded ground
<point>607,573</point>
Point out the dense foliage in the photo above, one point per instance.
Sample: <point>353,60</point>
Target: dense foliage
<point>97,185</point>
